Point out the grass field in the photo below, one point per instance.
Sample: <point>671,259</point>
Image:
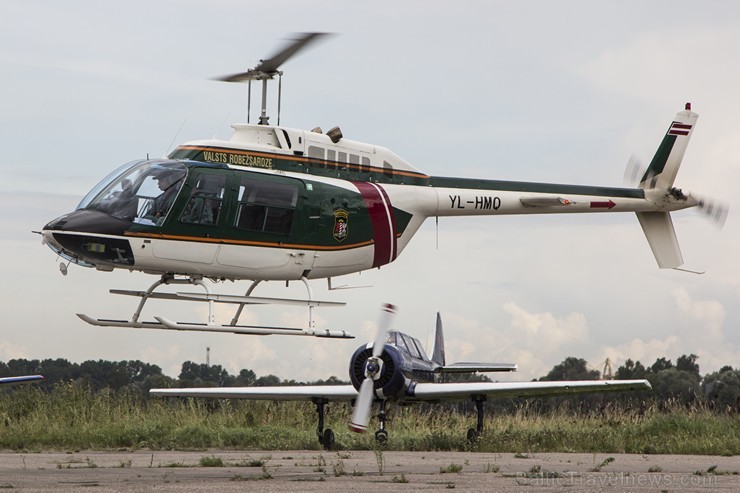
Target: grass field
<point>72,418</point>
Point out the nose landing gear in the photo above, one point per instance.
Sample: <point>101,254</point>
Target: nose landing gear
<point>381,436</point>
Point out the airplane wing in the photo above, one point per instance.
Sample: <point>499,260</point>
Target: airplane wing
<point>450,391</point>
<point>473,367</point>
<point>287,393</point>
<point>419,392</point>
<point>18,380</point>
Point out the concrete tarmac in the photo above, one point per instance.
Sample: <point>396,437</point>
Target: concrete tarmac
<point>387,471</point>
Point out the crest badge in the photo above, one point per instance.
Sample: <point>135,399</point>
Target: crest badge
<point>341,220</point>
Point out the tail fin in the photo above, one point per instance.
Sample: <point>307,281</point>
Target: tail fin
<point>438,356</point>
<point>659,177</point>
<point>663,168</point>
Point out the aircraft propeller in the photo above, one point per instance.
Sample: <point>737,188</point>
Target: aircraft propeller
<point>373,371</point>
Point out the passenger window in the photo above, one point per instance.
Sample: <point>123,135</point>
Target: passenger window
<point>387,169</point>
<point>365,168</point>
<point>205,201</point>
<point>267,207</point>
<point>342,159</point>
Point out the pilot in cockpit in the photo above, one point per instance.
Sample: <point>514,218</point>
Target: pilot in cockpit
<point>166,182</point>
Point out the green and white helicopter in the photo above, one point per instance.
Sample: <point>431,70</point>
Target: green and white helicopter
<point>279,203</point>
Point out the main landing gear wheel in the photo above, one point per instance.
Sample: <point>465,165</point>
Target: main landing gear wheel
<point>473,435</point>
<point>325,436</point>
<point>328,439</point>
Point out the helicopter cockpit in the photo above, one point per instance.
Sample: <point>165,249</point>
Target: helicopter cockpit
<point>141,191</point>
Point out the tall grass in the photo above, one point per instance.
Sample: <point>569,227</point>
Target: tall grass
<point>71,417</point>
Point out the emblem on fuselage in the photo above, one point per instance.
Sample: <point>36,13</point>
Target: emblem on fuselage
<point>341,221</point>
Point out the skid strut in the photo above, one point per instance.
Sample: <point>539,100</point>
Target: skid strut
<point>311,325</point>
<point>168,279</point>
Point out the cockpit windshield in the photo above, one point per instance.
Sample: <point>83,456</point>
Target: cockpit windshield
<point>142,191</point>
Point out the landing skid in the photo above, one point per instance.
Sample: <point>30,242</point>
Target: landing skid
<point>212,299</point>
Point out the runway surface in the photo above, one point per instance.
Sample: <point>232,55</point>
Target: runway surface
<point>224,471</point>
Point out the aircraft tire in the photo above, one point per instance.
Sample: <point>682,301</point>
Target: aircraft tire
<point>472,435</point>
<point>328,440</point>
<point>381,436</point>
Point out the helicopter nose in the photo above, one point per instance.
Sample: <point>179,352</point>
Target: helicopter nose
<point>91,237</point>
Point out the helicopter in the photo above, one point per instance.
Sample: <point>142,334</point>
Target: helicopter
<point>275,203</point>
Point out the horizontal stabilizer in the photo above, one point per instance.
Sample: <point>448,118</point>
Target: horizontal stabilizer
<point>658,229</point>
<point>475,367</point>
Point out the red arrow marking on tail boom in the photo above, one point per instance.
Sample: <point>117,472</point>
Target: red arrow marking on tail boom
<point>603,205</point>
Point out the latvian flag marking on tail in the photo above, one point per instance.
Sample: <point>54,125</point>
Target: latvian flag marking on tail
<point>678,128</point>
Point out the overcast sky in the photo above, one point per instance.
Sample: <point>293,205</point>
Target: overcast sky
<point>559,92</point>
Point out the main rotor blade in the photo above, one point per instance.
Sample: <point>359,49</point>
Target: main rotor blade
<point>273,63</point>
<point>266,69</point>
<point>363,405</point>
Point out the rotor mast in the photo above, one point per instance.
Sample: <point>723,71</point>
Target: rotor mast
<point>267,70</point>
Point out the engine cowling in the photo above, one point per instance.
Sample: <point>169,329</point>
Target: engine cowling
<point>392,380</point>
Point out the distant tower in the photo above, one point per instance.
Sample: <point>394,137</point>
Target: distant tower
<point>607,373</point>
<point>208,356</point>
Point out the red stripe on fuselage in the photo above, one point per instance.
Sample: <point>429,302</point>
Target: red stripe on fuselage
<point>382,219</point>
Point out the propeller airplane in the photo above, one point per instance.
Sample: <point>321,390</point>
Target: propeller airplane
<point>275,203</point>
<point>395,368</point>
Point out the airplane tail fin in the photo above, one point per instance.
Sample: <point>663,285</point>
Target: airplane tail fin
<point>438,356</point>
<point>659,177</point>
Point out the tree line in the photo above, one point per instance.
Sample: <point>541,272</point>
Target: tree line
<point>681,382</point>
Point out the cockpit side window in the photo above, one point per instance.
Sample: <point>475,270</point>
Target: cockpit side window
<point>205,201</point>
<point>420,349</point>
<point>142,193</point>
<point>413,351</point>
<point>266,206</point>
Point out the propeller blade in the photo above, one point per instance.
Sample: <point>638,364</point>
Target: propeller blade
<point>387,312</point>
<point>364,401</point>
<point>363,405</point>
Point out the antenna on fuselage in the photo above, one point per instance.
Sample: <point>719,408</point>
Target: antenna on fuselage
<point>267,70</point>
